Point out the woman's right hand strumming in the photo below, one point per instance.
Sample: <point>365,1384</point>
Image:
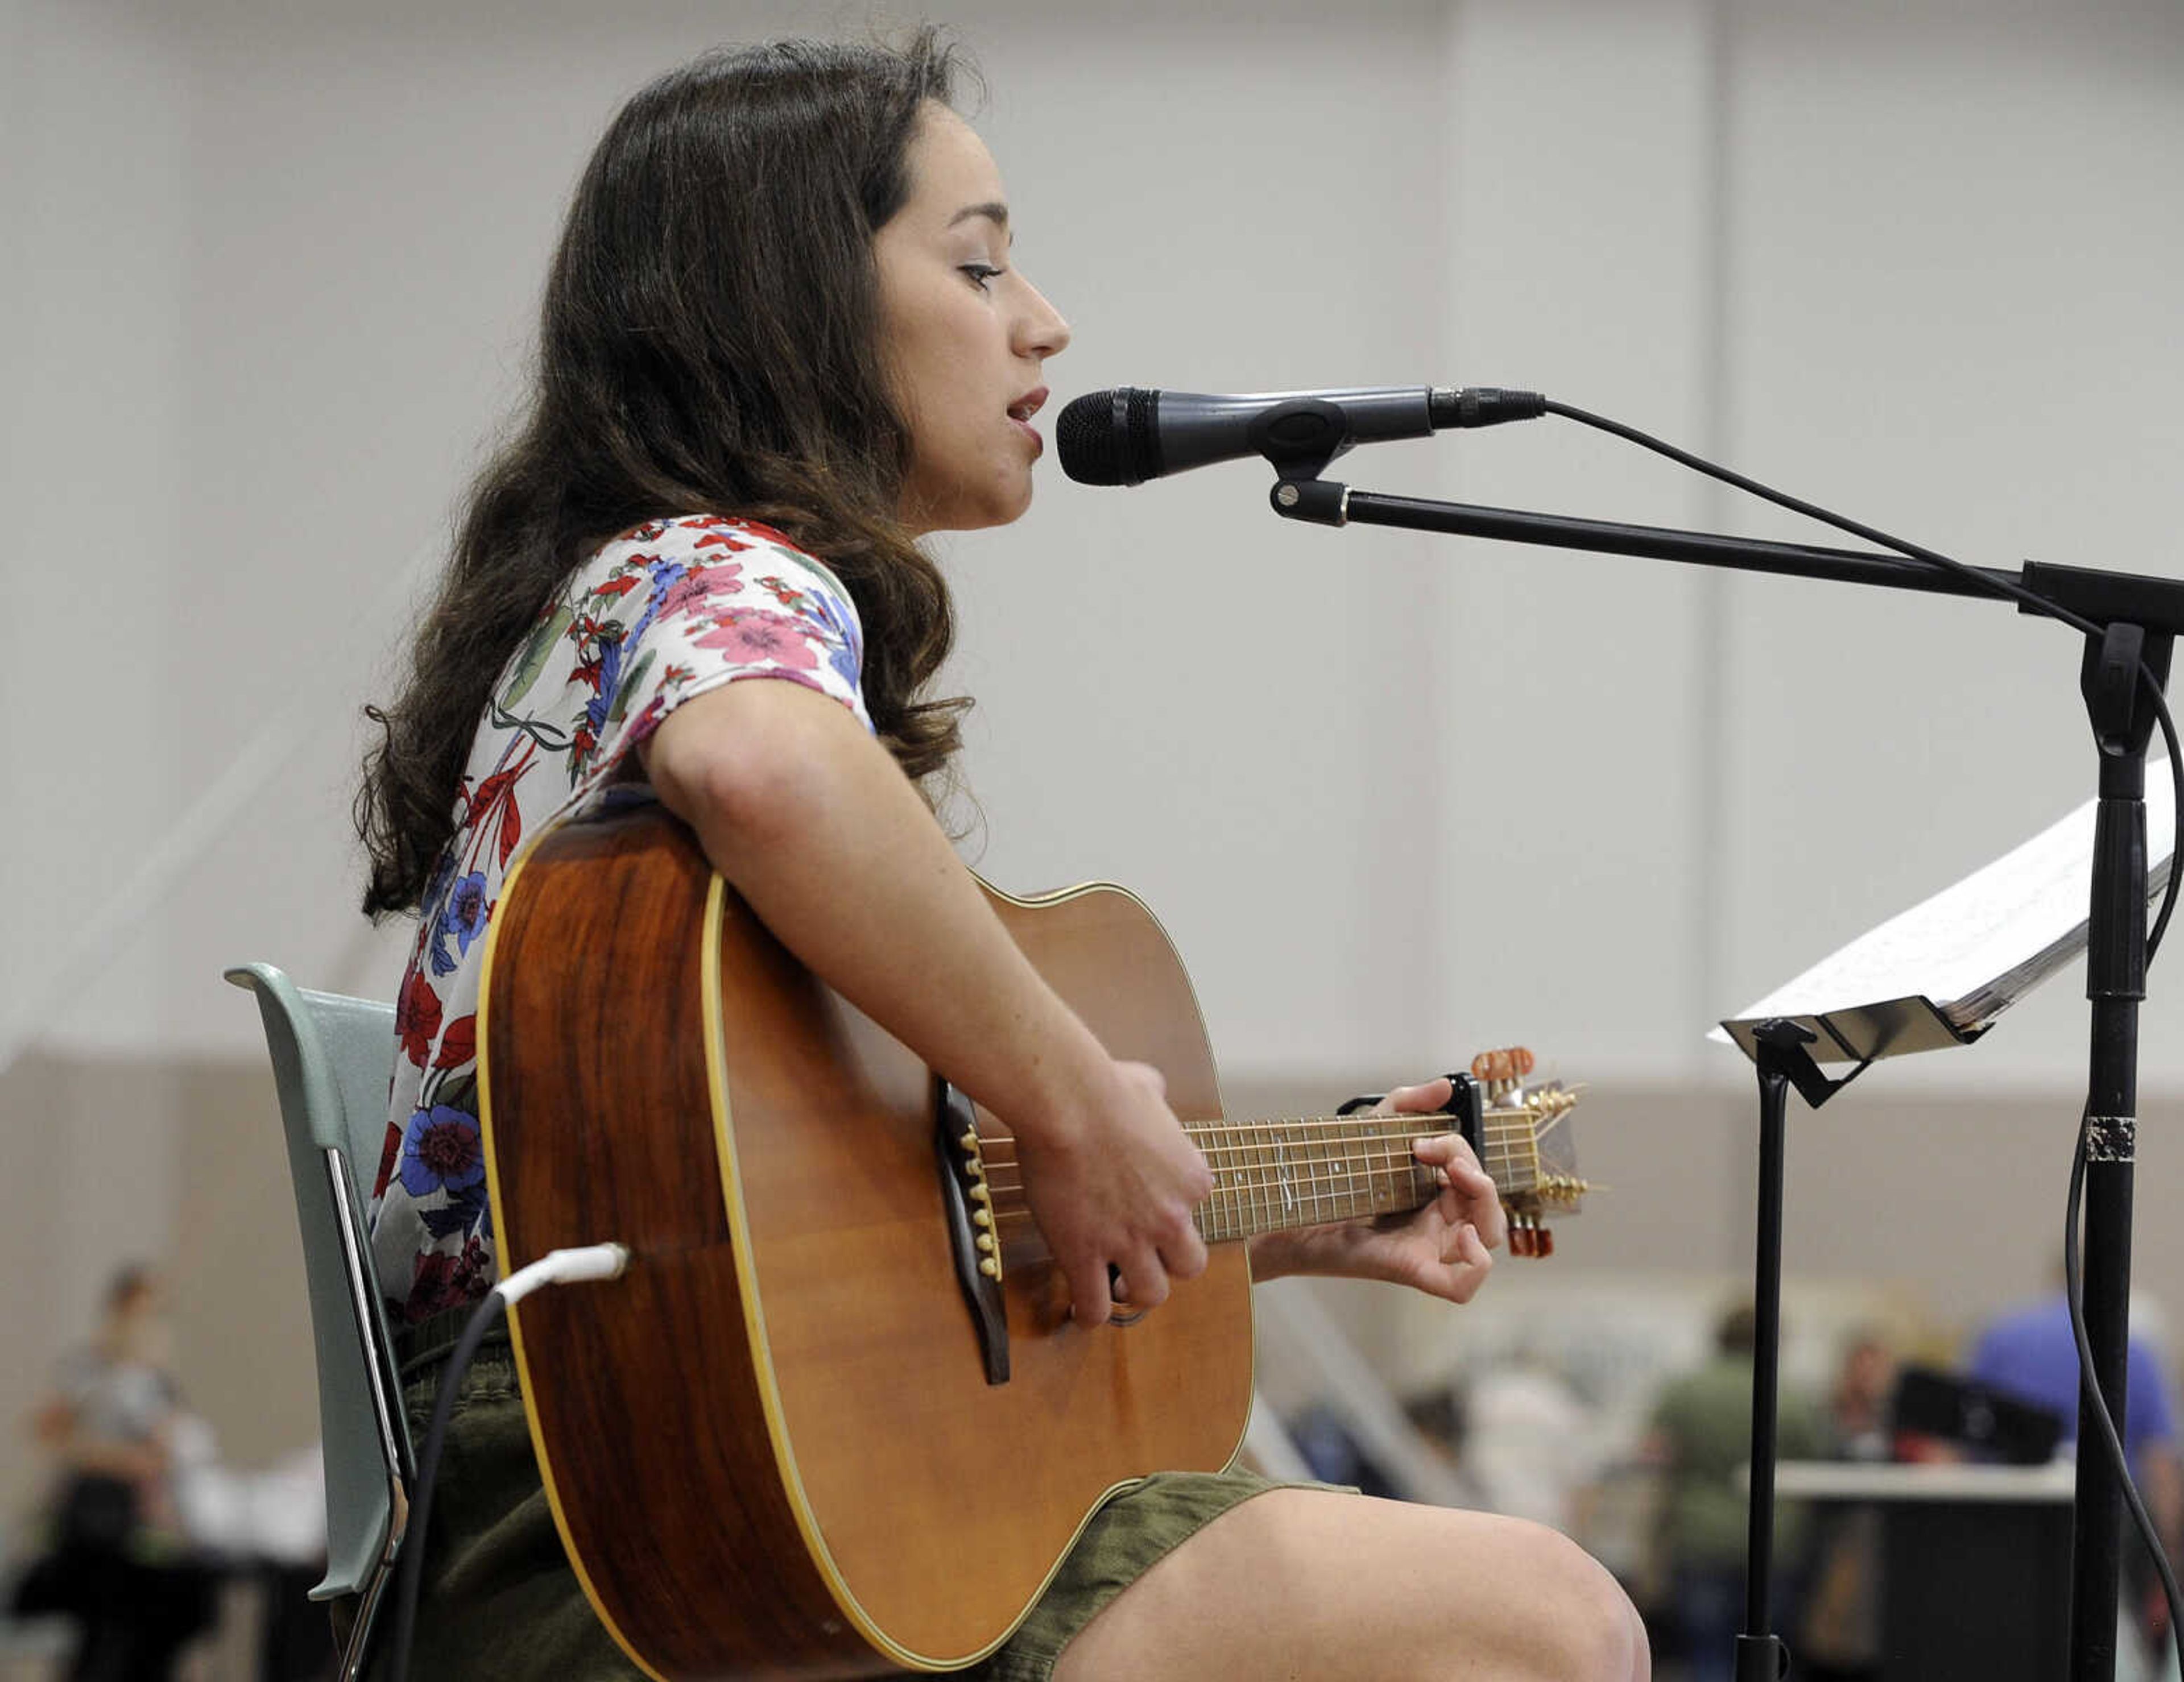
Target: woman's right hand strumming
<point>1118,1189</point>
<point>808,817</point>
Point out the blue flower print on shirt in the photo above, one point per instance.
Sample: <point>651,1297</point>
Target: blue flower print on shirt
<point>442,1150</point>
<point>465,916</point>
<point>845,650</point>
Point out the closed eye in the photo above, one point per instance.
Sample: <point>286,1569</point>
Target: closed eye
<point>981,274</point>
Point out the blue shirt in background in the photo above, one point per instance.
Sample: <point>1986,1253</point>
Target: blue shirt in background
<point>2031,1353</point>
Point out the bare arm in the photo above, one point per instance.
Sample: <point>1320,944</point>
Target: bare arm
<point>55,1428</point>
<point>813,823</point>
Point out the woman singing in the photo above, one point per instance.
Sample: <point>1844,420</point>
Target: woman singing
<point>783,338</point>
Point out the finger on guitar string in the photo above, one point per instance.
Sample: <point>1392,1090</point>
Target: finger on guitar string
<point>1421,1100</point>
<point>1468,1194</point>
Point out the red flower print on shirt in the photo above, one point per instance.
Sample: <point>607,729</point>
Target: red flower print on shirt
<point>459,1044</point>
<point>755,637</point>
<point>417,1018</point>
<point>673,608</point>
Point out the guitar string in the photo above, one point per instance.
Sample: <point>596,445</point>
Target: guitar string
<point>1352,1202</point>
<point>1349,1181</point>
<point>1376,1127</point>
<point>1504,1151</point>
<point>1312,1178</point>
<point>1504,1119</point>
<point>1318,1171</point>
<point>1231,1201</point>
<point>1321,1189</point>
<point>1308,1167</point>
<point>1499,1137</point>
<point>1332,1186</point>
<point>1325,1167</point>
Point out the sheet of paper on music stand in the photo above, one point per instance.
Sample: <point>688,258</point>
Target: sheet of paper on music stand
<point>1975,948</point>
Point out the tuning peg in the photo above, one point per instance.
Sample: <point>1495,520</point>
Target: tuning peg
<point>1511,1062</point>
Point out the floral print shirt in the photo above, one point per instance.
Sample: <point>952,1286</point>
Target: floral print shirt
<point>668,610</point>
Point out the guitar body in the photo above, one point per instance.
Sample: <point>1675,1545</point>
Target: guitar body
<point>770,1445</point>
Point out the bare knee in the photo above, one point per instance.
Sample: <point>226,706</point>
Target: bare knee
<point>1588,1630</point>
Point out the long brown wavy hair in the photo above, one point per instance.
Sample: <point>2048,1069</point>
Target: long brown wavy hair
<point>709,343</point>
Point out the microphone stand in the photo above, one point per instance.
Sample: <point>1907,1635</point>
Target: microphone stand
<point>2140,617</point>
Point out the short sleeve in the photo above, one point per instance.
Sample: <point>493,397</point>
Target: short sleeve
<point>695,604</point>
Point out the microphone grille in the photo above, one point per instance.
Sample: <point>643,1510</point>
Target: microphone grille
<point>1105,437</point>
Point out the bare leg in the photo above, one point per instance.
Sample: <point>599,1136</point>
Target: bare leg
<point>1308,1584</point>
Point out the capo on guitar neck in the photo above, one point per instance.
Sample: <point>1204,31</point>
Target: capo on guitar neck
<point>1466,1104</point>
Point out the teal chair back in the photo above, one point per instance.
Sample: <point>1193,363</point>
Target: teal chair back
<point>332,1059</point>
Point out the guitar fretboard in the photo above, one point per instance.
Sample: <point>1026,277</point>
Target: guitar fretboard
<point>1271,1176</point>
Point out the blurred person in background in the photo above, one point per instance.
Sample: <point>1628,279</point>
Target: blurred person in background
<point>117,1559</point>
<point>1530,1442</point>
<point>2031,1352</point>
<point>1841,1634</point>
<point>1702,1439</point>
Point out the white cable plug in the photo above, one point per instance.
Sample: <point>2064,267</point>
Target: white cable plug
<point>564,1267</point>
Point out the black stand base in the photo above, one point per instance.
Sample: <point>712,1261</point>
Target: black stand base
<point>1761,1658</point>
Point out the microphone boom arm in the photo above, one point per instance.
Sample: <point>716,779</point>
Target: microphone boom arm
<point>2103,597</point>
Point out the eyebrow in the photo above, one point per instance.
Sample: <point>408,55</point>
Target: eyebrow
<point>993,210</point>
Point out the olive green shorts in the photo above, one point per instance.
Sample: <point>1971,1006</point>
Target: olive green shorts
<point>500,1601</point>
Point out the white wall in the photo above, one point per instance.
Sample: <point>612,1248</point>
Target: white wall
<point>270,269</point>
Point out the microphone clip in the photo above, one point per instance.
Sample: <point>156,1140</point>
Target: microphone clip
<point>1300,437</point>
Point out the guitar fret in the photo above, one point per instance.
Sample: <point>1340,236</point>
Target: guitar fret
<point>1323,1174</point>
<point>1266,1208</point>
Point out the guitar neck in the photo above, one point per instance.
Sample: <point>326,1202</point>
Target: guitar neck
<point>1273,1176</point>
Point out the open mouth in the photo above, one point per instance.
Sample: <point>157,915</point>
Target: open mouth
<point>1028,405</point>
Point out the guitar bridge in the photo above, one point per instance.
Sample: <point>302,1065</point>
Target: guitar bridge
<point>967,1203</point>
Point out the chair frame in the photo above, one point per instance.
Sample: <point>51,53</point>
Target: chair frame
<point>366,1537</point>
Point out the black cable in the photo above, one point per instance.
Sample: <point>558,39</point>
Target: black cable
<point>2089,1385</point>
<point>428,1464</point>
<point>2001,586</point>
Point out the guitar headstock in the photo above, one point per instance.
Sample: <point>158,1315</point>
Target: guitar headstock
<point>1529,1147</point>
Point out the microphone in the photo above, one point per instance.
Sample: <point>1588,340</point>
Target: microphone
<point>1128,435</point>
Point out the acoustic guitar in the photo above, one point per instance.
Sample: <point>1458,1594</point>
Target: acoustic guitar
<point>834,1420</point>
